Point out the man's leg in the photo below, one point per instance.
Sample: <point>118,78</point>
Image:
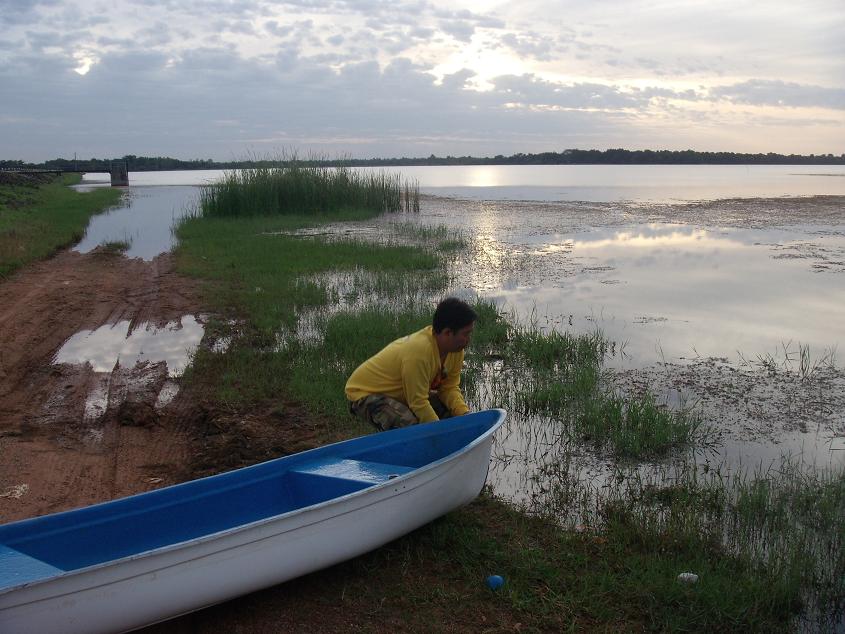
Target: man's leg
<point>383,412</point>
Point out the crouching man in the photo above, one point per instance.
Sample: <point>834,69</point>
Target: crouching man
<point>416,379</point>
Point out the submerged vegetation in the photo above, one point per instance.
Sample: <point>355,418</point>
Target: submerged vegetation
<point>534,372</point>
<point>40,214</point>
<point>587,554</point>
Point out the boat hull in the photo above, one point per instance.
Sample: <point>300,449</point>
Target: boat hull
<point>165,582</point>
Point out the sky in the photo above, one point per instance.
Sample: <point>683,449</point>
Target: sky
<point>236,79</point>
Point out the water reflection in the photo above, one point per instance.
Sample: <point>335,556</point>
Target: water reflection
<point>670,291</point>
<point>104,347</point>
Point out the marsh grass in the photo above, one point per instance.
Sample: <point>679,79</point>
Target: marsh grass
<point>618,579</point>
<point>792,357</point>
<point>787,521</point>
<point>319,370</point>
<point>560,376</point>
<point>115,247</point>
<point>441,237</point>
<point>299,188</point>
<point>38,220</point>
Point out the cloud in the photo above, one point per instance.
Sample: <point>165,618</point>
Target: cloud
<point>532,91</point>
<point>164,77</point>
<point>18,12</point>
<point>759,92</point>
<point>533,45</point>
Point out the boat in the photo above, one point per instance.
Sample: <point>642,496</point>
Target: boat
<point>145,558</point>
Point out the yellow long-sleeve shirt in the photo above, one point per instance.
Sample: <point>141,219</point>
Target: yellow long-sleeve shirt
<point>407,370</point>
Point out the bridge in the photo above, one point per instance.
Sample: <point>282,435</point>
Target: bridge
<point>119,172</point>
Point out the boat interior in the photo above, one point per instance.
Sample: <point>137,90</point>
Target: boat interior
<point>42,547</point>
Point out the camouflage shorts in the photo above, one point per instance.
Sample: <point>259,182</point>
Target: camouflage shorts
<point>384,412</point>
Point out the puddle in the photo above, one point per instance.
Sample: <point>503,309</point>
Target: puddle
<point>166,395</point>
<point>104,347</point>
<point>144,221</point>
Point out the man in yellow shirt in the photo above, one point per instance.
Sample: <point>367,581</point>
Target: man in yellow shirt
<point>416,379</point>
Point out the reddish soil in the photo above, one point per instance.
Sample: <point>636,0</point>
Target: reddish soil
<point>55,456</point>
<point>60,448</point>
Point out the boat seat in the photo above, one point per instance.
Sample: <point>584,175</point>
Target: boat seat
<point>17,568</point>
<point>359,470</point>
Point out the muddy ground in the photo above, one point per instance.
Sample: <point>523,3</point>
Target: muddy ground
<point>55,454</point>
<point>71,436</point>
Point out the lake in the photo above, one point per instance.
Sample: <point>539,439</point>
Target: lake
<point>595,183</point>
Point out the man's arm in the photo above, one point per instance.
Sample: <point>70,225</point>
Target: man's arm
<point>415,383</point>
<point>450,390</point>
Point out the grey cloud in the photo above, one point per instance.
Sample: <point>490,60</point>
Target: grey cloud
<point>458,80</point>
<point>761,92</point>
<point>529,90</point>
<point>177,108</point>
<point>274,28</point>
<point>19,12</point>
<point>123,42</point>
<point>298,28</point>
<point>528,44</point>
<point>459,29</point>
<point>39,40</point>
<point>158,34</point>
<point>421,32</point>
<point>244,27</point>
<point>477,19</point>
<point>462,24</point>
<point>202,98</point>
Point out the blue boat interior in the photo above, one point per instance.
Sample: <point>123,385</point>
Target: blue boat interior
<point>42,547</point>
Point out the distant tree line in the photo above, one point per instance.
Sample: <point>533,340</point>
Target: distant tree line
<point>567,157</point>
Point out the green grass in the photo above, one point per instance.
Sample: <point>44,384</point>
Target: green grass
<point>556,581</point>
<point>115,246</point>
<point>38,220</point>
<point>265,280</point>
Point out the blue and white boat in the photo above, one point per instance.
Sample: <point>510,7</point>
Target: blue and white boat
<point>138,560</point>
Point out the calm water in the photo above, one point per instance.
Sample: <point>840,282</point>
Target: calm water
<point>596,183</point>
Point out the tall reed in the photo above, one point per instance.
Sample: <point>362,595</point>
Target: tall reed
<point>299,188</point>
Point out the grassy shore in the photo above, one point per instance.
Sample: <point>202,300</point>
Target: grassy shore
<point>299,312</point>
<point>39,216</point>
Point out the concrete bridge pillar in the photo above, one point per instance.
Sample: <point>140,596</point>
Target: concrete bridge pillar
<point>119,174</point>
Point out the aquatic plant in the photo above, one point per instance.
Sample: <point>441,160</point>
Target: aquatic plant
<point>305,188</point>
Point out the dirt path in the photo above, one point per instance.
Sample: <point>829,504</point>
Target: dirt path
<point>69,435</point>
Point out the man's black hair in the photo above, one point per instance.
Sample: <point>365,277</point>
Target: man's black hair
<point>452,313</point>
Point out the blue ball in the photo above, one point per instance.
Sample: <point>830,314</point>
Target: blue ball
<point>494,582</point>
